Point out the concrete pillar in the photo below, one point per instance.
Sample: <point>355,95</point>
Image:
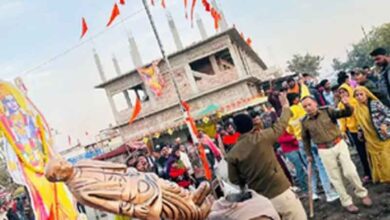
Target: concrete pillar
<point>191,79</point>
<point>127,97</point>
<point>118,72</point>
<point>175,33</point>
<point>99,65</point>
<point>116,65</point>
<point>112,106</point>
<point>103,78</point>
<point>214,64</point>
<point>134,52</point>
<point>238,63</point>
<point>201,28</point>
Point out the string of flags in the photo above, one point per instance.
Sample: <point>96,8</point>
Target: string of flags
<point>151,75</point>
<point>247,40</point>
<point>115,12</point>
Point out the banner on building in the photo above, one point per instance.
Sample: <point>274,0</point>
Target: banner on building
<point>152,78</point>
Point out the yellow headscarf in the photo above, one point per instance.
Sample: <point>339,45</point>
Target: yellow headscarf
<point>362,111</point>
<point>349,123</point>
<point>378,150</point>
<point>369,94</point>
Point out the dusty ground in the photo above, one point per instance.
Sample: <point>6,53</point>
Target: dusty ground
<point>380,194</point>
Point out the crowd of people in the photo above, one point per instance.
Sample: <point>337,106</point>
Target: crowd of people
<point>308,123</point>
<point>18,208</point>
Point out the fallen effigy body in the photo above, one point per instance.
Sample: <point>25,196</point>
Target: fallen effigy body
<point>125,191</point>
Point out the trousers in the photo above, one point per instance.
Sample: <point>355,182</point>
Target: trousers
<point>338,162</point>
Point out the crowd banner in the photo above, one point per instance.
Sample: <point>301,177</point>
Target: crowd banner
<point>28,148</point>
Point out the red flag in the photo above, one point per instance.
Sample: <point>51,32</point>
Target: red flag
<point>86,133</point>
<point>192,11</point>
<point>115,12</point>
<point>217,17</point>
<point>122,2</point>
<point>249,41</point>
<point>69,140</point>
<point>163,4</point>
<point>206,5</point>
<point>152,2</point>
<point>185,106</point>
<point>84,27</point>
<point>136,110</point>
<point>185,8</point>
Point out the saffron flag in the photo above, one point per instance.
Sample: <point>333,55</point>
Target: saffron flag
<point>185,106</point>
<point>84,27</point>
<point>217,17</point>
<point>249,41</point>
<point>115,13</point>
<point>152,78</point>
<point>163,4</point>
<point>136,110</point>
<point>122,2</point>
<point>206,5</point>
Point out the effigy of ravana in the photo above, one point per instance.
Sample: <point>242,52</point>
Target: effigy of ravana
<point>120,190</point>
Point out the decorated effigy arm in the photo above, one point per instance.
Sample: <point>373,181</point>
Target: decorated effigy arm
<point>114,206</point>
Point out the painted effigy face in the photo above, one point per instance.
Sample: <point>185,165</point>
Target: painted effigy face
<point>10,104</point>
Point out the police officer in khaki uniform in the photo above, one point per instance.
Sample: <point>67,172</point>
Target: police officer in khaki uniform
<point>320,126</point>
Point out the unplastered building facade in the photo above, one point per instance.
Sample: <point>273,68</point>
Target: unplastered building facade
<point>218,70</point>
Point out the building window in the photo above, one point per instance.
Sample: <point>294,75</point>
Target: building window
<point>224,60</point>
<point>127,98</point>
<point>120,102</point>
<point>202,66</point>
<point>137,91</point>
<point>208,66</point>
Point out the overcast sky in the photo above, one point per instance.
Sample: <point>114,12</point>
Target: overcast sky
<point>35,31</point>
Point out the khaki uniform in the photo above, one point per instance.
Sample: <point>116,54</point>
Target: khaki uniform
<point>334,153</point>
<point>252,161</point>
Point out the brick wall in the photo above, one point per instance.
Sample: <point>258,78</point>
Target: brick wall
<point>172,116</point>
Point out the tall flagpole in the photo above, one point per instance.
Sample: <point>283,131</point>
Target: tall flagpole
<point>152,24</point>
<point>203,159</point>
<point>147,9</point>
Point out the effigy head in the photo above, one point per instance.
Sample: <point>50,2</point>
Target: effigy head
<point>58,170</point>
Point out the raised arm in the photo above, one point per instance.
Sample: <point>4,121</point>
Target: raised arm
<point>272,134</point>
<point>341,113</point>
<point>277,129</point>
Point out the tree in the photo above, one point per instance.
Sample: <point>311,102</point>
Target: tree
<point>305,64</point>
<point>359,56</point>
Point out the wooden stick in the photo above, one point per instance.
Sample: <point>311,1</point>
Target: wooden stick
<point>310,191</point>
